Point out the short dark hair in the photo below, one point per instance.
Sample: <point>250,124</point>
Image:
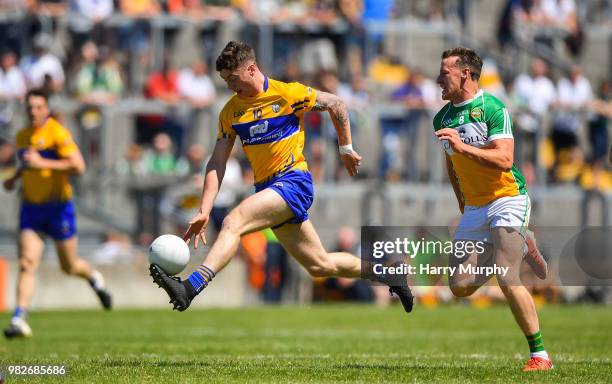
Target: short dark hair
<point>467,58</point>
<point>39,92</point>
<point>234,55</point>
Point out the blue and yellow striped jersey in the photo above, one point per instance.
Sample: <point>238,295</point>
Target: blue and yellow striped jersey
<point>52,141</point>
<point>270,126</point>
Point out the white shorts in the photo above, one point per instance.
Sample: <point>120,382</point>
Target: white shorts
<point>476,222</point>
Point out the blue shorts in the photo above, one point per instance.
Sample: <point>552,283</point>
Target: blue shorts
<point>57,220</point>
<point>295,187</point>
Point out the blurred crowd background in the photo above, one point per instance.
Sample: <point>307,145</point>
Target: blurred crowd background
<point>134,80</point>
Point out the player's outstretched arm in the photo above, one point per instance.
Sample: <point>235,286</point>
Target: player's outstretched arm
<point>339,114</point>
<point>215,170</point>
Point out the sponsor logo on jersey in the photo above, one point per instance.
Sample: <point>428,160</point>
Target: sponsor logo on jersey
<point>473,139</point>
<point>470,135</point>
<point>447,122</point>
<point>476,113</point>
<point>238,114</point>
<point>275,108</point>
<point>258,129</point>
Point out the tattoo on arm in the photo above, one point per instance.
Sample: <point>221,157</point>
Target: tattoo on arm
<point>332,103</point>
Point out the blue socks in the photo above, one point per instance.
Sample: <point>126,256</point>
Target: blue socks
<point>20,312</point>
<point>200,278</point>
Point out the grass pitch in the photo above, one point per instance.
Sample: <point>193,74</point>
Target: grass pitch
<point>321,344</point>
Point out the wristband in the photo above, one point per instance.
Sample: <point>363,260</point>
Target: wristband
<point>345,149</point>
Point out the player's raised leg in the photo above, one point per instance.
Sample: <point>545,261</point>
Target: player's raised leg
<point>509,245</point>
<point>73,265</point>
<point>262,210</point>
<point>30,246</point>
<point>534,257</point>
<point>303,243</point>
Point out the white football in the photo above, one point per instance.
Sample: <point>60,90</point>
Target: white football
<point>170,252</point>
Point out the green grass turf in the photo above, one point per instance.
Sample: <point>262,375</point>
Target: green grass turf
<point>329,344</point>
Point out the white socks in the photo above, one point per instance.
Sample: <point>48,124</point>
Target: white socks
<point>541,354</point>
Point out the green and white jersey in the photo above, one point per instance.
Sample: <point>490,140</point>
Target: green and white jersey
<point>479,121</point>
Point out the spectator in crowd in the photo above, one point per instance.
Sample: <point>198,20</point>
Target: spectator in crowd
<point>599,138</point>
<point>189,8</point>
<point>132,166</point>
<point>134,38</point>
<point>42,66</point>
<point>98,80</point>
<point>324,11</point>
<point>12,89</point>
<point>196,86</point>
<point>388,71</point>
<point>375,11</point>
<point>160,160</point>
<point>291,72</point>
<point>140,8</point>
<point>534,93</point>
<point>411,96</point>
<point>55,8</point>
<point>562,14</point>
<point>505,24</point>
<point>163,86</point>
<point>85,20</point>
<point>14,30</point>
<point>275,11</point>
<point>195,159</point>
<point>574,96</point>
<point>219,10</point>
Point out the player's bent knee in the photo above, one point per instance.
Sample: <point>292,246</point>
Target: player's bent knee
<point>26,265</point>
<point>232,222</point>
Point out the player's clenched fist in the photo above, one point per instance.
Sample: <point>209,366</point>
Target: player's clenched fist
<point>452,136</point>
